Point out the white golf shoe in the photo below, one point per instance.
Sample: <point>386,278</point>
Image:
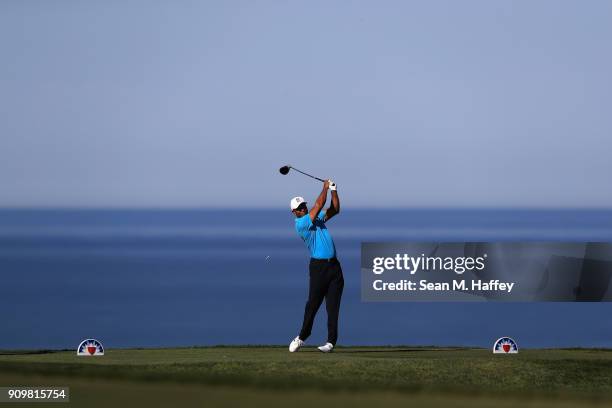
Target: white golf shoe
<point>327,348</point>
<point>295,344</point>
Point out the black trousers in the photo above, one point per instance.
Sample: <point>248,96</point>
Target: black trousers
<point>326,282</point>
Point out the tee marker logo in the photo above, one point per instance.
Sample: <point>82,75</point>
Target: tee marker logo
<point>505,345</point>
<point>90,347</point>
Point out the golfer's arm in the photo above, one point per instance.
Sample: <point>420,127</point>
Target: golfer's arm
<point>318,205</point>
<point>335,206</point>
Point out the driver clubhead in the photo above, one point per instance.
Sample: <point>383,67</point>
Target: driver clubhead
<point>284,170</point>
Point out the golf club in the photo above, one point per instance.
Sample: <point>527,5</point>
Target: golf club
<point>285,170</point>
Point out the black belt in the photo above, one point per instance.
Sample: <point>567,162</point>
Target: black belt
<point>323,259</point>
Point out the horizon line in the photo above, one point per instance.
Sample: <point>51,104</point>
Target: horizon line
<point>276,208</point>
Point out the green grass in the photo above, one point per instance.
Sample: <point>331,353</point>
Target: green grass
<point>359,375</point>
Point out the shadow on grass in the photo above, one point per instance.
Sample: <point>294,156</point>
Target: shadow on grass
<point>343,350</point>
<point>412,350</point>
<point>28,352</point>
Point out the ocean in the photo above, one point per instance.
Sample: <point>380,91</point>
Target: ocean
<point>165,278</point>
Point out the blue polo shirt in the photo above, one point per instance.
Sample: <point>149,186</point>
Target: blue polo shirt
<point>316,236</point>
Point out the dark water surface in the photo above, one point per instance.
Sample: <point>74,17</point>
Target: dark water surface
<point>201,277</point>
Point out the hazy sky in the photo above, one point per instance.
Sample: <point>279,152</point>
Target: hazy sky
<point>407,103</point>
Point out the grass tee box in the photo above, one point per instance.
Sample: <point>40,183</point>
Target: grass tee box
<point>271,374</point>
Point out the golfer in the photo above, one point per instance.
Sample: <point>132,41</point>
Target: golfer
<point>326,280</point>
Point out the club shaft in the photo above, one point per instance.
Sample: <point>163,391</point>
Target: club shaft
<point>306,174</point>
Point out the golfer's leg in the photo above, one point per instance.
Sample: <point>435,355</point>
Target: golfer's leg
<point>332,303</point>
<point>316,293</point>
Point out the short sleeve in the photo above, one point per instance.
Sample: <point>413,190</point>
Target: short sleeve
<point>303,223</point>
